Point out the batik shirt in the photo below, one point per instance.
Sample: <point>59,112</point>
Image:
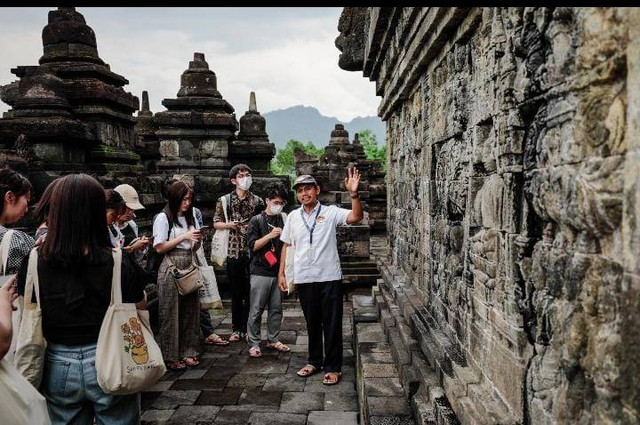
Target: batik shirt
<point>241,211</point>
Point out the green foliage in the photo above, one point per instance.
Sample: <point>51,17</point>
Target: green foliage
<point>283,163</point>
<point>371,149</point>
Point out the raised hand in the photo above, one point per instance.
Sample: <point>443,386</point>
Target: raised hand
<point>352,181</point>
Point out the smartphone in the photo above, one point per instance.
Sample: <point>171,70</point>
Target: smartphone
<point>203,228</point>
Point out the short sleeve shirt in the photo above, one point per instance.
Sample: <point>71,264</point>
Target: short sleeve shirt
<point>320,263</point>
<point>161,229</point>
<point>241,211</point>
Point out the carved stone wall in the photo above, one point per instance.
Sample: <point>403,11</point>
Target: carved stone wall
<point>513,201</point>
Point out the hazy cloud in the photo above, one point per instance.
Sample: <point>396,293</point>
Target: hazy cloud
<point>286,55</point>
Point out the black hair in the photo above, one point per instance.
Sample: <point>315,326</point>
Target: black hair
<point>233,172</point>
<point>77,222</point>
<point>175,193</point>
<point>275,190</point>
<point>41,211</point>
<point>12,181</point>
<point>115,201</point>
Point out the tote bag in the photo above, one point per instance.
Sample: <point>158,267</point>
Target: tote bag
<point>30,345</point>
<point>208,294</point>
<point>21,402</point>
<point>288,262</point>
<point>17,315</point>
<point>128,359</point>
<point>220,240</point>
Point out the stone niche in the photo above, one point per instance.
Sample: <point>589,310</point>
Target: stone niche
<point>513,202</point>
<point>330,170</point>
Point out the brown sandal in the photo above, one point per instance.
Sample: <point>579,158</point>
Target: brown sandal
<point>307,371</point>
<point>215,339</point>
<point>279,346</point>
<point>331,378</point>
<point>179,365</point>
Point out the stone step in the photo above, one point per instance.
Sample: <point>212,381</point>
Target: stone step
<point>365,308</point>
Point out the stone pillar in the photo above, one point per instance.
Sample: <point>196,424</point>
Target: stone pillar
<point>147,143</point>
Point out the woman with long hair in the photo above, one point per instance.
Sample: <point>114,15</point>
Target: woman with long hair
<point>41,212</point>
<point>175,234</point>
<point>75,267</point>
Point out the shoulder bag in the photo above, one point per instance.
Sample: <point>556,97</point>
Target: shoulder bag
<point>187,280</point>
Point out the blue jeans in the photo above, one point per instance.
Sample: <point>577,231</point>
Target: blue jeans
<point>73,395</point>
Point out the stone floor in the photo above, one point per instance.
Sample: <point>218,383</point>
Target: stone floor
<point>229,387</point>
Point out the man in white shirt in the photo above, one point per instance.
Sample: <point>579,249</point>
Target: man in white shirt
<point>317,272</point>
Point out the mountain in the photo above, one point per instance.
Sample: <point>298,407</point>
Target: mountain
<point>306,123</point>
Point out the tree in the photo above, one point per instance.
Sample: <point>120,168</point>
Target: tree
<point>283,163</point>
<point>371,149</point>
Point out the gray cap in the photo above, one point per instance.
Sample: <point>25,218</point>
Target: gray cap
<point>305,179</point>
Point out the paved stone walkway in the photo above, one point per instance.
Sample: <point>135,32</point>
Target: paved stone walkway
<point>229,387</point>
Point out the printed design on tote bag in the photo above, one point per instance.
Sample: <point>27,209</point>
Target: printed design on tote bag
<point>135,343</point>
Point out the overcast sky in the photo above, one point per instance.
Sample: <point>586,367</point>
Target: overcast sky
<point>286,55</point>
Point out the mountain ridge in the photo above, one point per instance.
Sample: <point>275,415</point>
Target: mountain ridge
<point>306,123</point>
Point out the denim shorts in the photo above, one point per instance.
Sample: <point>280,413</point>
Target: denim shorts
<point>73,395</point>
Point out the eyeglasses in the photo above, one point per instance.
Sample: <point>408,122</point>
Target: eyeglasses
<point>279,203</point>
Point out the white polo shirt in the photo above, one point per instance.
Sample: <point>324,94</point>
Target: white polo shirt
<point>324,263</point>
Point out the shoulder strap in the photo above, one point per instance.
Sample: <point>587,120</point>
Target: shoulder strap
<point>31,282</point>
<point>4,249</point>
<point>226,206</point>
<point>116,278</point>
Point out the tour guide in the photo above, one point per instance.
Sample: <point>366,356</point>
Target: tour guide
<point>311,229</point>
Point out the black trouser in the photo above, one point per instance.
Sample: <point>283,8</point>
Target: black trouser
<point>205,323</point>
<point>322,307</point>
<point>238,273</point>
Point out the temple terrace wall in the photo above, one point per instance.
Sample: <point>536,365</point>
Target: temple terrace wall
<point>514,201</point>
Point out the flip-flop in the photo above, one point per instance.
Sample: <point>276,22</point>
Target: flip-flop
<point>255,352</point>
<point>308,373</point>
<point>279,346</point>
<point>176,365</point>
<point>190,361</point>
<point>215,339</point>
<point>327,378</point>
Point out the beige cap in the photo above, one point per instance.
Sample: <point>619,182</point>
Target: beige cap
<point>130,196</point>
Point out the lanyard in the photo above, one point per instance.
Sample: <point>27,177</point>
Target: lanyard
<point>310,229</point>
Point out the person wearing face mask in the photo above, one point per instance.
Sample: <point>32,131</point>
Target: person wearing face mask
<point>265,246</point>
<point>241,206</point>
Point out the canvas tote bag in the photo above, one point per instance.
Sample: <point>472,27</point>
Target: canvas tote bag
<point>220,240</point>
<point>30,345</point>
<point>288,262</point>
<point>128,359</point>
<point>208,294</point>
<point>17,315</point>
<point>20,402</point>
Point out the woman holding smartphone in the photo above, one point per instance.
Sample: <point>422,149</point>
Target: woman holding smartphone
<point>175,234</point>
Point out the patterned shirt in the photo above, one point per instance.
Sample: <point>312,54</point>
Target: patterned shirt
<point>241,210</point>
<point>20,247</point>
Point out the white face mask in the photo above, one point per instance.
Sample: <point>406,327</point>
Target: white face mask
<point>275,209</point>
<point>244,183</point>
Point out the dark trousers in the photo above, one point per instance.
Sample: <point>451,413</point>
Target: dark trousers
<point>205,323</point>
<point>322,307</point>
<point>238,273</point>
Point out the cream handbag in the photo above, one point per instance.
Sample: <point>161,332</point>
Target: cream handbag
<point>30,344</point>
<point>21,402</point>
<point>220,240</point>
<point>128,359</point>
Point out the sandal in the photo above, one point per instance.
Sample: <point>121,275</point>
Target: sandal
<point>179,365</point>
<point>255,351</point>
<point>278,346</point>
<point>331,378</point>
<point>215,339</point>
<point>307,371</point>
<point>190,361</point>
<point>235,337</point>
